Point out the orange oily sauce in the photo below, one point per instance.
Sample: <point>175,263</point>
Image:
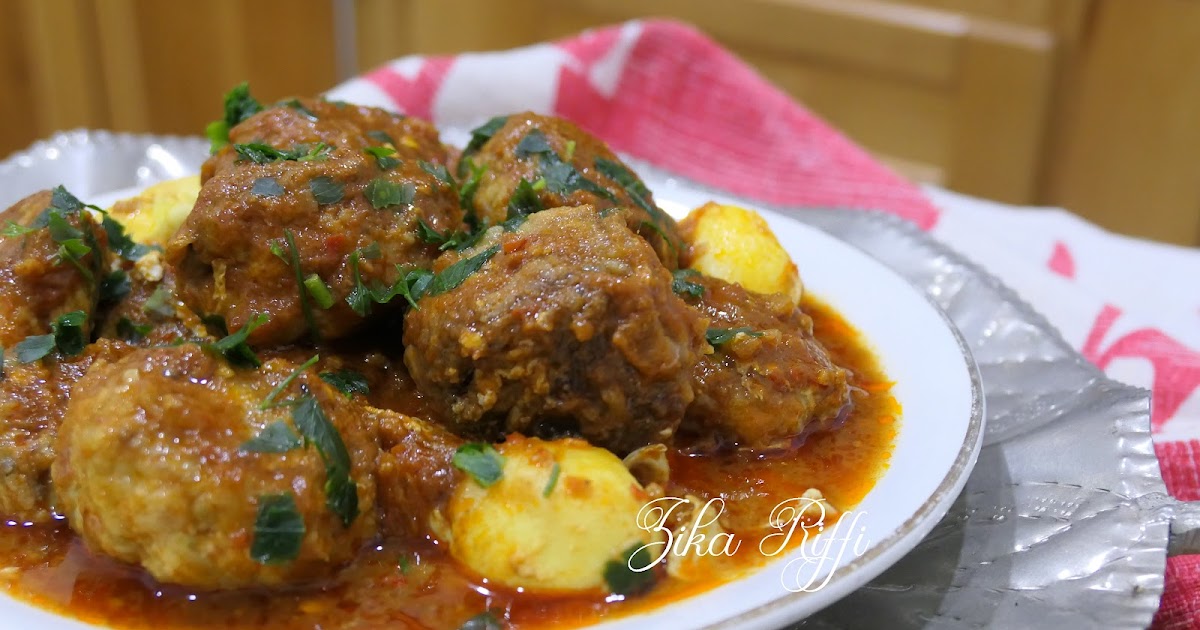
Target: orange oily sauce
<point>406,584</point>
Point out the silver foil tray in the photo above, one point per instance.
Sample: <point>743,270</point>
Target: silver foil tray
<point>1064,522</point>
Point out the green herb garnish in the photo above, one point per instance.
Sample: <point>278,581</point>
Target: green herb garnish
<point>381,136</point>
<point>454,275</point>
<point>296,105</point>
<point>438,171</point>
<point>385,157</point>
<point>132,332</point>
<point>524,201</point>
<point>278,529</point>
<point>483,133</point>
<point>449,240</point>
<point>160,303</point>
<point>291,378</point>
<point>266,187</point>
<point>683,286</point>
<point>719,336</point>
<point>553,481</point>
<point>361,296</point>
<point>292,257</point>
<point>34,348</point>
<point>262,153</point>
<point>533,143</point>
<point>326,190</point>
<point>482,462</point>
<point>114,286</point>
<point>73,244</point>
<point>341,493</point>
<point>239,106</point>
<point>318,291</point>
<point>384,194</point>
<point>276,437</point>
<point>348,382</point>
<point>234,347</point>
<point>631,573</point>
<point>69,337</point>
<point>14,230</point>
<point>120,242</point>
<point>483,621</point>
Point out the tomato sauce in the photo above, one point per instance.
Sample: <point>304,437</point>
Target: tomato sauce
<point>399,584</point>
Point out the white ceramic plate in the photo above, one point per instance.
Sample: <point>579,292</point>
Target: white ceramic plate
<point>940,433</point>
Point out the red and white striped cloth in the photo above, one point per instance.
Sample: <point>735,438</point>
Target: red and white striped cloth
<point>663,92</point>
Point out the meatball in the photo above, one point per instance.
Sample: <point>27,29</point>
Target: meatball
<point>767,386</point>
<point>293,199</point>
<point>573,167</point>
<point>33,399</point>
<point>37,282</point>
<point>149,313</point>
<point>172,459</point>
<point>571,327</point>
<point>415,475</point>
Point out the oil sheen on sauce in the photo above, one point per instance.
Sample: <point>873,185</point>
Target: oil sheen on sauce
<point>402,584</point>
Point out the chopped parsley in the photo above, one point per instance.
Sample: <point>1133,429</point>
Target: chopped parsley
<point>466,192</point>
<point>483,133</point>
<point>296,105</point>
<point>15,230</point>
<point>361,295</point>
<point>326,190</point>
<point>234,347</point>
<point>67,336</point>
<point>341,493</point>
<point>682,286</point>
<point>385,157</point>
<point>132,332</point>
<point>533,143</point>
<point>119,241</point>
<point>292,257</point>
<point>276,437</point>
<point>114,286</point>
<point>524,200</point>
<point>384,194</point>
<point>449,240</point>
<point>348,382</point>
<point>454,275</point>
<point>269,401</point>
<point>239,106</point>
<point>160,303</point>
<point>262,153</point>
<point>481,462</point>
<point>73,243</point>
<point>318,291</point>
<point>631,573</point>
<point>636,191</point>
<point>381,136</point>
<point>483,621</point>
<point>278,529</point>
<point>719,336</point>
<point>438,171</point>
<point>555,471</point>
<point>412,285</point>
<point>266,187</point>
<point>561,177</point>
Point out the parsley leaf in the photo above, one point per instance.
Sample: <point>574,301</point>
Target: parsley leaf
<point>266,187</point>
<point>341,493</point>
<point>533,143</point>
<point>296,105</point>
<point>553,481</point>
<point>131,332</point>
<point>466,192</point>
<point>33,348</point>
<point>483,133</point>
<point>348,382</point>
<point>483,621</point>
<point>292,258</point>
<point>120,242</point>
<point>384,194</point>
<point>480,461</point>
<point>450,240</point>
<point>325,190</point>
<point>719,336</point>
<point>636,191</point>
<point>382,136</point>
<point>291,378</point>
<point>360,296</point>
<point>454,275</point>
<point>62,199</point>
<point>631,573</point>
<point>438,171</point>
<point>239,106</point>
<point>278,529</point>
<point>13,230</point>
<point>384,157</point>
<point>234,347</point>
<point>276,437</point>
<point>160,303</point>
<point>73,243</point>
<point>114,286</point>
<point>69,336</point>
<point>262,153</point>
<point>682,286</point>
<point>318,291</point>
<point>524,201</point>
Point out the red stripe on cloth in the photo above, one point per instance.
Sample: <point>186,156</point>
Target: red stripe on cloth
<point>1061,262</point>
<point>1180,607</point>
<point>413,96</point>
<point>1180,465</point>
<point>687,105</point>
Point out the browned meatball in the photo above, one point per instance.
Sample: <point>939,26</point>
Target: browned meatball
<point>37,282</point>
<point>168,458</point>
<point>570,167</point>
<point>415,475</point>
<point>232,257</point>
<point>764,388</point>
<point>570,327</point>
<point>33,399</point>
